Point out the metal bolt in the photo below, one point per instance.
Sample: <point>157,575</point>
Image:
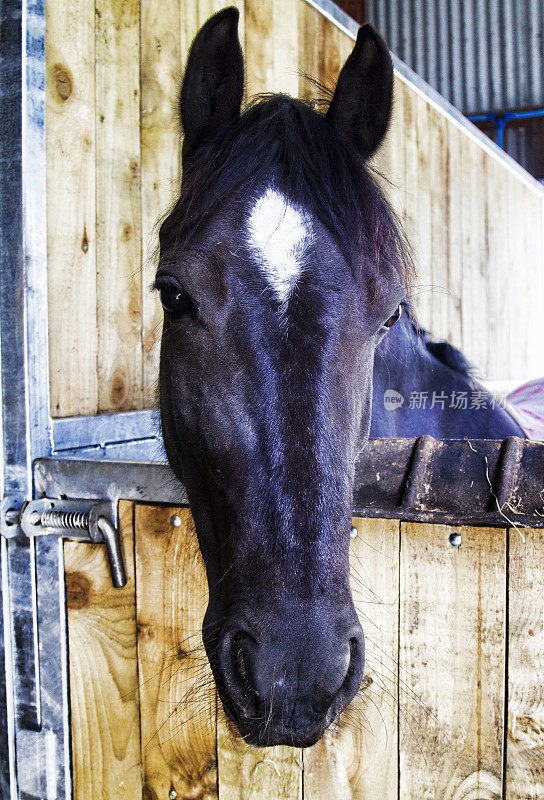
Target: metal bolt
<point>175,522</point>
<point>455,539</point>
<point>12,516</point>
<point>353,532</point>
<point>365,683</point>
<point>35,518</point>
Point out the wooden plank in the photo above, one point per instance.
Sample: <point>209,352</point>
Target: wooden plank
<point>439,189</point>
<point>259,47</point>
<point>118,233</point>
<point>177,694</point>
<point>105,719</point>
<point>527,279</point>
<point>423,249</point>
<point>477,224</point>
<point>271,47</point>
<point>357,759</point>
<point>160,71</point>
<point>381,163</point>
<point>452,661</point>
<point>249,773</point>
<point>395,176</point>
<point>194,15</point>
<point>525,744</point>
<point>536,282</point>
<point>501,261</point>
<point>285,38</point>
<point>308,55</point>
<point>163,58</point>
<point>333,49</point>
<point>516,236</point>
<point>454,261</point>
<point>535,227</point>
<point>410,186</point>
<point>71,217</point>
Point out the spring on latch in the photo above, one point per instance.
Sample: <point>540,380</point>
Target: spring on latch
<point>74,520</point>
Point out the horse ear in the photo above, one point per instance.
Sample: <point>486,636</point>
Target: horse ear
<point>213,84</point>
<point>361,105</point>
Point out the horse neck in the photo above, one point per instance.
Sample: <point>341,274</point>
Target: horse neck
<point>430,389</point>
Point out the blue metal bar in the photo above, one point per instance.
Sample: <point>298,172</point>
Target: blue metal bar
<point>501,125</point>
<point>539,112</point>
<point>483,117</point>
<point>501,120</point>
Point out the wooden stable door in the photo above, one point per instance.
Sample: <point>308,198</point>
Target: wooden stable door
<point>452,635</point>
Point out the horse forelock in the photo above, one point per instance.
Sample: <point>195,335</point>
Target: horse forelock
<point>283,146</point>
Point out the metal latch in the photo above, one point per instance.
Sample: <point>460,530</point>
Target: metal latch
<point>81,520</point>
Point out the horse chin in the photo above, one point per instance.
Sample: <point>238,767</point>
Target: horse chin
<point>287,738</point>
<point>254,734</point>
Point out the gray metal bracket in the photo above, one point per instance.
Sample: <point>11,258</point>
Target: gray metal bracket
<point>81,520</point>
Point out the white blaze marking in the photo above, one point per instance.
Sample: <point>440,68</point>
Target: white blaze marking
<point>279,233</point>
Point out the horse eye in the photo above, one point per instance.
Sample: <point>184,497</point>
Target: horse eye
<point>173,300</point>
<point>394,318</point>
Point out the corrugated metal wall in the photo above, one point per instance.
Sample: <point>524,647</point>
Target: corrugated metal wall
<point>482,55</point>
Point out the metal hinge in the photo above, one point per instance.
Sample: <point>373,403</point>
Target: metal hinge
<point>81,520</point>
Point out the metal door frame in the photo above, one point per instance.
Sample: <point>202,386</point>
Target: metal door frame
<point>34,698</point>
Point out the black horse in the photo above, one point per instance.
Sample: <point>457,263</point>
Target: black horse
<point>284,281</point>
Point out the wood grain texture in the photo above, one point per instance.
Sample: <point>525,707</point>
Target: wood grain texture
<point>476,227</point>
<point>497,248</point>
<point>71,214</point>
<point>525,743</point>
<point>118,231</point>
<point>143,702</point>
<point>271,47</point>
<point>454,257</point>
<point>249,773</point>
<point>452,662</point>
<point>410,194</point>
<point>161,62</point>
<point>389,161</point>
<point>357,759</point>
<point>442,300</point>
<point>177,694</point>
<point>334,48</point>
<point>103,671</point>
<point>476,221</point>
<point>426,278</point>
<point>308,51</point>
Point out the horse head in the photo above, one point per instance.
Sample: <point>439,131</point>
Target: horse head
<point>280,271</point>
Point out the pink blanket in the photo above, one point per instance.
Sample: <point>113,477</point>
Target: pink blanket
<point>526,405</point>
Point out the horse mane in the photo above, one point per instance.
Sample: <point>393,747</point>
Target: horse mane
<point>442,350</point>
<point>450,356</point>
<point>286,140</point>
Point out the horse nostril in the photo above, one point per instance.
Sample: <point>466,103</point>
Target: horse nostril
<point>354,672</point>
<point>353,652</point>
<point>237,668</point>
<point>242,668</point>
